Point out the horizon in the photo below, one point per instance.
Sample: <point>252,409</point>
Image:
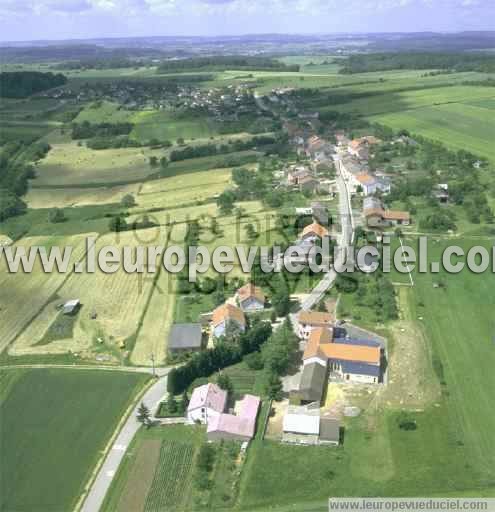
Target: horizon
<point>55,20</point>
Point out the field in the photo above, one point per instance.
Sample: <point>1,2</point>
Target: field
<point>163,126</point>
<point>104,112</point>
<point>164,482</point>
<point>24,295</point>
<point>42,417</point>
<point>70,165</point>
<point>460,116</point>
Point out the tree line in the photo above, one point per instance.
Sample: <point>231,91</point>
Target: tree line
<point>21,84</point>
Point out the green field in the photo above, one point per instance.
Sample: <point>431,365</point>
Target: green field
<point>104,112</point>
<point>163,126</point>
<point>54,425</point>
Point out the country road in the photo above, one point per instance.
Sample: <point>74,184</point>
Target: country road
<point>345,244</point>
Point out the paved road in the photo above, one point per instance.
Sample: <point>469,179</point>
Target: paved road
<point>344,244</point>
<point>101,484</point>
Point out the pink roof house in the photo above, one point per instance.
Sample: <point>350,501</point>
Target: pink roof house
<point>207,402</point>
<point>240,426</point>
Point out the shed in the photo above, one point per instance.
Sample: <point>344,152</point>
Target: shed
<point>185,338</point>
<point>312,383</point>
<point>329,431</point>
<point>71,306</point>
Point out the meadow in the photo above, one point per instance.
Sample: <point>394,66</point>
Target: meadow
<point>46,457</point>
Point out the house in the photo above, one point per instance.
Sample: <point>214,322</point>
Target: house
<point>296,174</point>
<point>227,314</point>
<point>185,338</point>
<point>309,320</point>
<point>396,218</point>
<point>355,362</point>
<point>207,402</point>
<point>313,231</point>
<point>308,184</point>
<point>311,385</point>
<point>240,426</point>
<point>71,306</point>
<point>251,298</point>
<point>377,217</point>
<point>329,431</point>
<point>320,212</point>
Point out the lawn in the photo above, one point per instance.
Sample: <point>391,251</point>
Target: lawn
<point>54,425</point>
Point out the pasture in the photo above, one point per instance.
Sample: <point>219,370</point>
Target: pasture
<point>55,423</point>
<point>162,125</point>
<point>70,165</point>
<point>104,112</point>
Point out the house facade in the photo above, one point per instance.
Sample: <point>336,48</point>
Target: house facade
<point>207,402</point>
<point>225,315</point>
<point>251,298</point>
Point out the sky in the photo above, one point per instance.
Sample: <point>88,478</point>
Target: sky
<point>22,20</point>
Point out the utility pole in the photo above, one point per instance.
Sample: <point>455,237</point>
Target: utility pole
<point>153,363</point>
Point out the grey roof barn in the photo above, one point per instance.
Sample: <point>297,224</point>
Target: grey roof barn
<point>185,337</point>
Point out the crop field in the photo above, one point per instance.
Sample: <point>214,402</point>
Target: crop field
<point>118,299</point>
<point>164,482</point>
<point>67,197</point>
<point>163,126</point>
<point>171,485</point>
<point>68,164</point>
<point>46,460</point>
<point>23,295</point>
<point>183,189</point>
<point>158,314</point>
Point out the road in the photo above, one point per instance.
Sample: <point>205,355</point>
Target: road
<point>344,244</point>
<point>101,484</point>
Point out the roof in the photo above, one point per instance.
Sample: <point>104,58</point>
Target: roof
<point>370,212</point>
<point>330,429</point>
<point>312,382</point>
<point>242,424</point>
<point>371,202</point>
<point>185,336</point>
<point>359,342</point>
<point>318,336</point>
<point>70,305</point>
<point>307,179</point>
<point>317,318</point>
<point>227,312</point>
<point>396,215</point>
<point>365,179</point>
<point>360,368</point>
<point>209,395</point>
<point>355,353</point>
<point>250,290</point>
<point>231,424</point>
<point>248,406</point>
<point>315,228</point>
<point>302,420</point>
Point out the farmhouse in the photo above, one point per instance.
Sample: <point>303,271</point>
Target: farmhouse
<point>251,298</point>
<point>185,338</point>
<point>304,425</point>
<point>355,361</point>
<point>206,402</point>
<point>297,173</point>
<point>239,426</point>
<point>377,216</point>
<point>309,320</point>
<point>225,315</point>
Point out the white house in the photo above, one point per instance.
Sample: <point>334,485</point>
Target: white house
<point>206,402</point>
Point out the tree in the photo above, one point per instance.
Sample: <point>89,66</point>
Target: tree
<point>281,297</point>
<point>225,201</point>
<point>214,226</point>
<point>251,233</point>
<point>274,387</point>
<point>143,415</point>
<point>184,402</point>
<point>172,405</point>
<point>128,201</point>
<point>56,215</point>
<point>153,161</point>
<point>224,381</point>
<point>117,224</point>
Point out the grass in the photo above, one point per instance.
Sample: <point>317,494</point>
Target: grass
<point>162,125</point>
<point>49,416</point>
<point>104,112</point>
<point>61,328</point>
